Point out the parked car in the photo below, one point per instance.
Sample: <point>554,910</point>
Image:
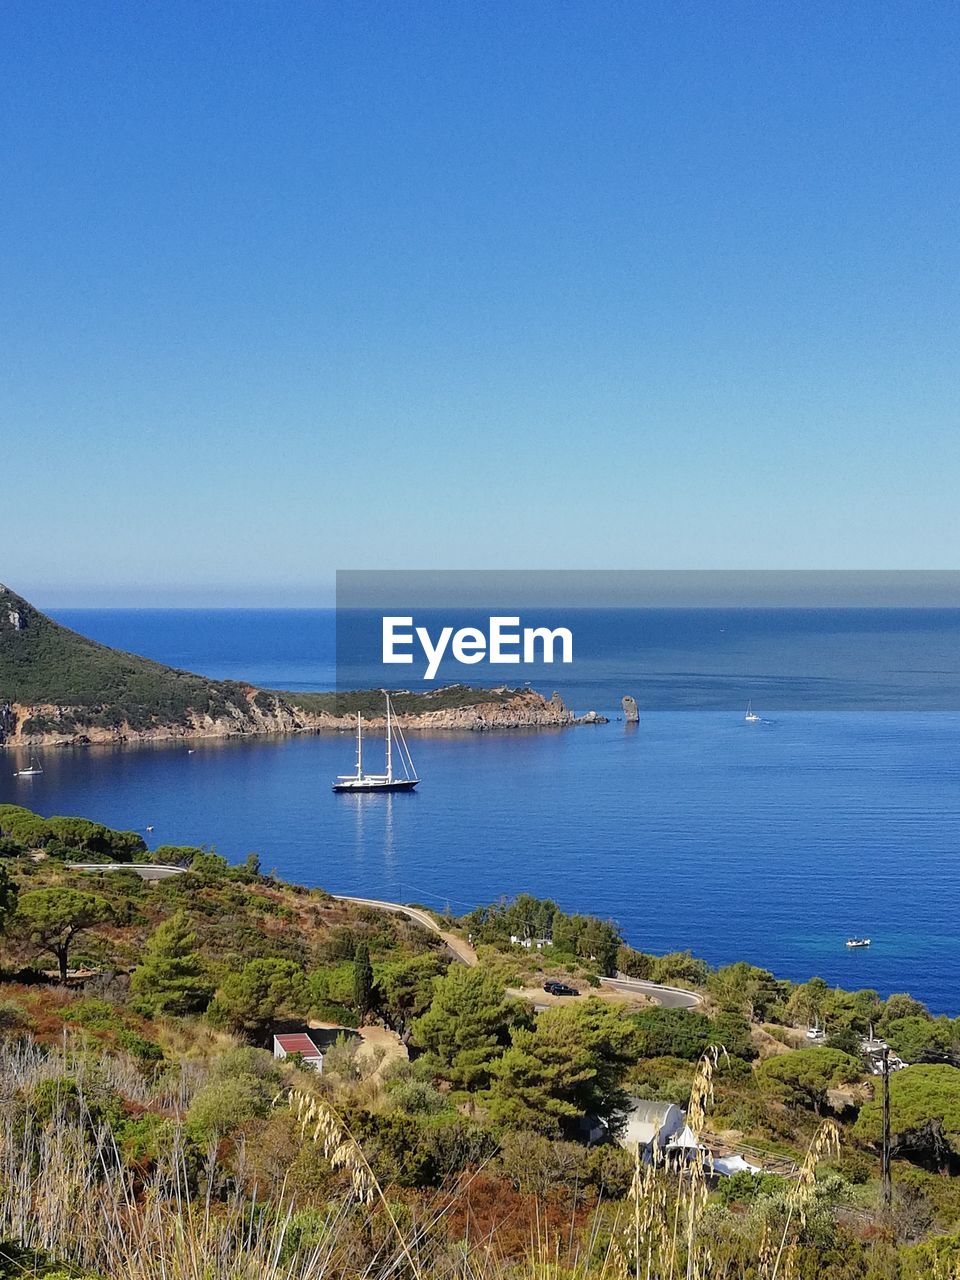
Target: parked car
<point>554,988</point>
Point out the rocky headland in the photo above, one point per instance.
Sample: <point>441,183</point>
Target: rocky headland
<point>58,688</point>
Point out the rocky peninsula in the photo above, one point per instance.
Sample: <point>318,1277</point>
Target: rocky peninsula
<point>58,688</point>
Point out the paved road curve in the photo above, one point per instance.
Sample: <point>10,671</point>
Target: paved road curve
<point>145,870</point>
<point>461,949</point>
<point>667,997</point>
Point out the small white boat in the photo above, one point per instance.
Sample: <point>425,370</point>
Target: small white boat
<point>751,717</point>
<point>858,942</point>
<point>391,779</point>
<point>32,770</point>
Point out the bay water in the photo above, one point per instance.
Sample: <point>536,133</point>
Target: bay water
<point>837,814</point>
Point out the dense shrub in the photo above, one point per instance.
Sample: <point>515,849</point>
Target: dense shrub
<point>673,1033</point>
<point>224,1104</point>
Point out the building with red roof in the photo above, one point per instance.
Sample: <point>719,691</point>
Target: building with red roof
<point>287,1043</point>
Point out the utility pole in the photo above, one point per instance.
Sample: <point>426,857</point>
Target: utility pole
<point>885,1156</point>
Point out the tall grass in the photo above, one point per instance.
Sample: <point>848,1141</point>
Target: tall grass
<point>66,1191</point>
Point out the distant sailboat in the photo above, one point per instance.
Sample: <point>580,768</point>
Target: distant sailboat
<point>388,781</point>
<point>34,768</point>
<point>751,717</point>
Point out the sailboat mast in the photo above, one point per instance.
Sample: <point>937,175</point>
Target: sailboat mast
<point>359,748</point>
<point>389,743</point>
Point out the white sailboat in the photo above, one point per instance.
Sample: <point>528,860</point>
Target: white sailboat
<point>33,769</point>
<point>396,744</point>
<point>751,717</point>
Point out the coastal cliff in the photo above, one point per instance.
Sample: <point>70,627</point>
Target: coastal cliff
<point>58,688</point>
<point>259,712</point>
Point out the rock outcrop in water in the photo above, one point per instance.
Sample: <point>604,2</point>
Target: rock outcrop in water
<point>58,688</point>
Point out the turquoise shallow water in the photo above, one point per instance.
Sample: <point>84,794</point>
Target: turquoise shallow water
<point>772,842</point>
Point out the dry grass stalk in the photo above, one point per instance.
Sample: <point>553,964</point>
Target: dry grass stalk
<point>825,1143</point>
<point>344,1152</point>
<point>695,1184</point>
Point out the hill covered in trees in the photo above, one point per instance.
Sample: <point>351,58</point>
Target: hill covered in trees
<point>57,686</point>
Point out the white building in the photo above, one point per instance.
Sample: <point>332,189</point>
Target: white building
<point>650,1126</point>
<point>288,1043</point>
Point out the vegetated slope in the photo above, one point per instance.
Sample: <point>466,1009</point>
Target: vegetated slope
<point>42,662</point>
<point>57,686</point>
<point>369,702</point>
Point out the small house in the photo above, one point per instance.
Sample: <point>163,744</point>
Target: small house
<point>650,1126</point>
<point>286,1044</point>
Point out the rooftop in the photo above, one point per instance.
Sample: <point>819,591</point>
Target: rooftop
<point>297,1042</point>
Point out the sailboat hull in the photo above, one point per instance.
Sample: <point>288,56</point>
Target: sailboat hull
<point>376,784</point>
<point>388,781</point>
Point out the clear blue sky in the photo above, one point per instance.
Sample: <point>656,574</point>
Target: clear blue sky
<point>288,287</point>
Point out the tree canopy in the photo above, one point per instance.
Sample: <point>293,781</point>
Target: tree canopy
<point>8,898</point>
<point>405,986</point>
<point>569,1065</point>
<point>466,1027</point>
<point>170,977</point>
<point>924,1113</point>
<point>745,988</point>
<point>803,1077</point>
<point>54,918</point>
<point>918,1038</point>
<point>581,937</point>
<point>69,836</point>
<point>673,1033</point>
<point>541,1082</point>
<point>362,979</point>
<point>261,992</point>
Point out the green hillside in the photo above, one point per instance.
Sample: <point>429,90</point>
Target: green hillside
<point>369,702</point>
<point>43,663</point>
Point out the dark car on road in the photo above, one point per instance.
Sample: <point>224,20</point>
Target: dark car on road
<point>554,988</point>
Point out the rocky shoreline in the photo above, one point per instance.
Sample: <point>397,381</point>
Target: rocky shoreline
<point>259,713</point>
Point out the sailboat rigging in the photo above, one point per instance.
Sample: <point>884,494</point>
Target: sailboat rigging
<point>33,769</point>
<point>391,779</point>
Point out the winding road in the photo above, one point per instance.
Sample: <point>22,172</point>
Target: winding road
<point>666,997</point>
<point>462,950</point>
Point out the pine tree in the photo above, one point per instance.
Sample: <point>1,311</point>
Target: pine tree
<point>170,977</point>
<point>362,979</point>
<point>466,1027</point>
<point>570,1065</point>
<point>8,897</point>
<point>55,918</point>
<point>540,1081</point>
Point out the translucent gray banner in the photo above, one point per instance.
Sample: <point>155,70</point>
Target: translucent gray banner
<point>693,640</point>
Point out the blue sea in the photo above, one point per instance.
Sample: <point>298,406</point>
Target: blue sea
<point>837,814</point>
